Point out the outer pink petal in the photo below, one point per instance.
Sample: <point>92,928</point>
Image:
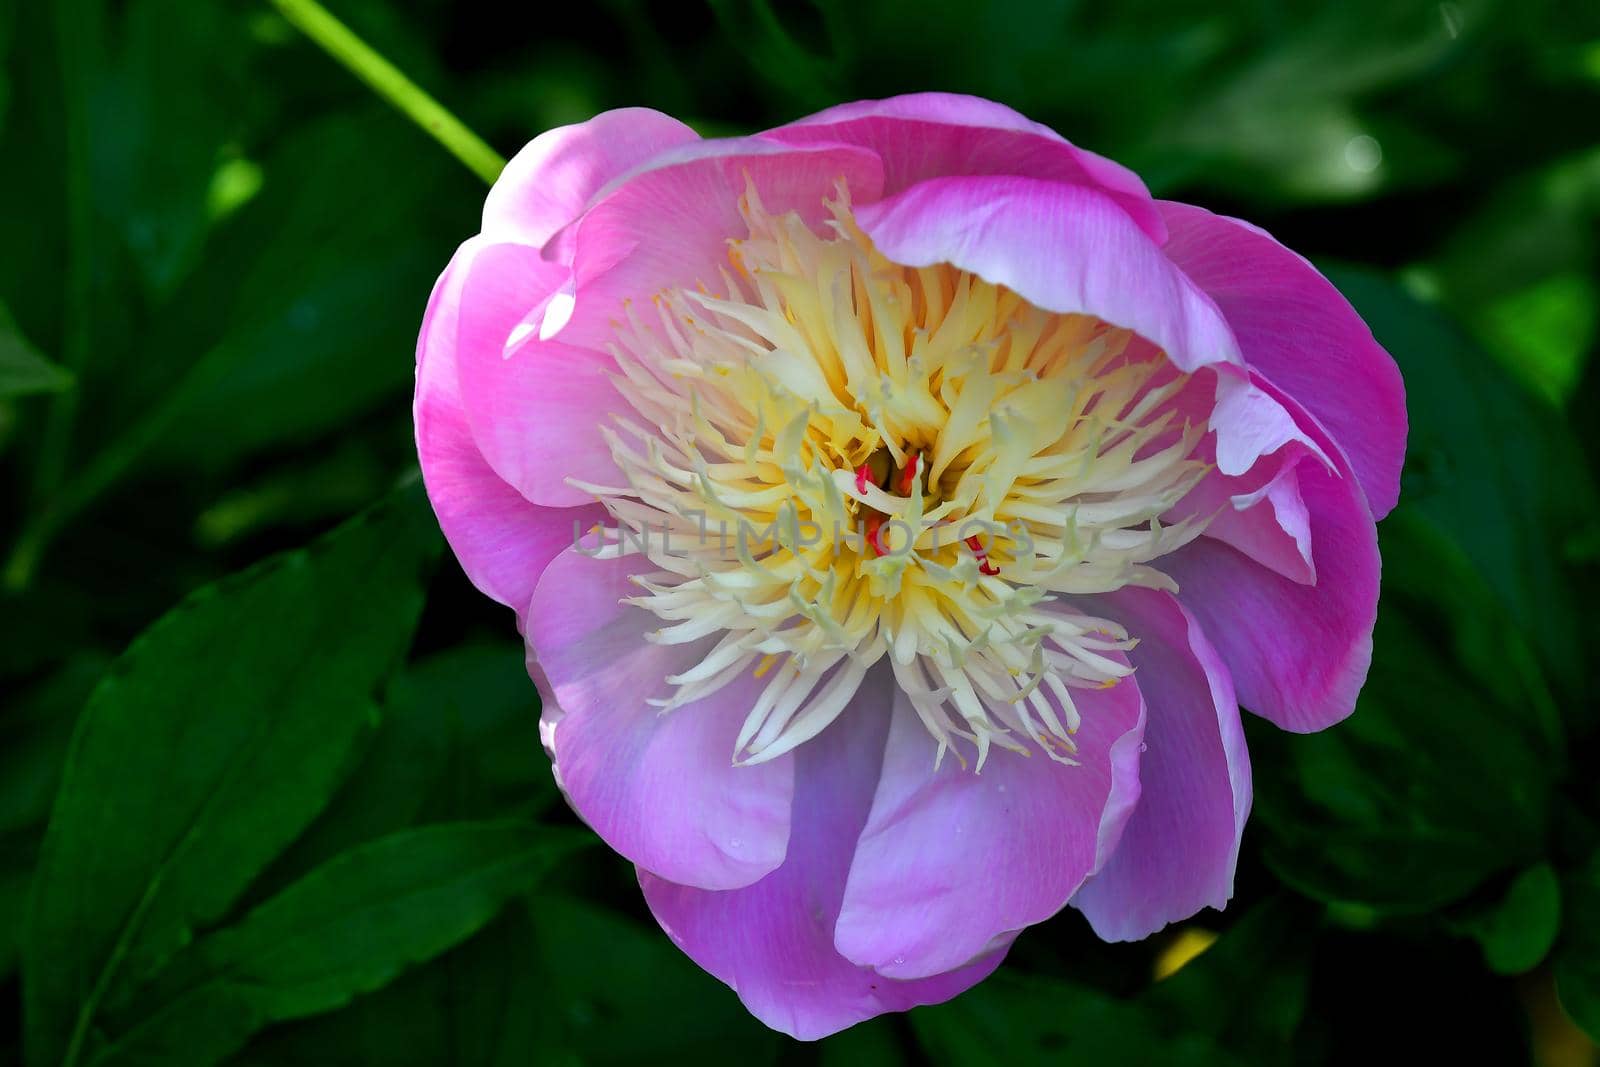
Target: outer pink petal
<point>536,407</point>
<point>773,941</point>
<point>1295,328</point>
<point>503,541</point>
<point>534,413</point>
<point>1179,849</point>
<point>660,789</point>
<point>549,182</point>
<point>1065,248</point>
<point>1298,653</point>
<point>952,860</point>
<point>936,135</point>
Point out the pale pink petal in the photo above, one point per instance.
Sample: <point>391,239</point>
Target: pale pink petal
<point>939,135</point>
<point>1298,653</point>
<point>1179,850</point>
<point>659,788</point>
<point>1298,332</point>
<point>773,941</point>
<point>1065,248</point>
<point>502,540</point>
<point>548,183</point>
<point>1249,422</point>
<point>952,860</point>
<point>534,413</point>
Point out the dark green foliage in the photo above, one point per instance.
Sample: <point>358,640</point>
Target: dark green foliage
<point>207,747</point>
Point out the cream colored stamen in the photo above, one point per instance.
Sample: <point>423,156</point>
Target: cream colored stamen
<point>839,460</point>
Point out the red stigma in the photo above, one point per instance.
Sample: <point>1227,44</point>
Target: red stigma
<point>908,479</point>
<point>874,532</point>
<point>982,555</point>
<point>863,476</point>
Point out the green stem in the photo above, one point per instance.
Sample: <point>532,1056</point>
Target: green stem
<point>335,38</point>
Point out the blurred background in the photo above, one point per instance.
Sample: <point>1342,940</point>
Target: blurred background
<point>215,250</point>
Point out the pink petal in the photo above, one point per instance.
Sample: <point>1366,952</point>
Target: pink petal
<point>1065,248</point>
<point>660,789</point>
<point>534,414</point>
<point>773,941</point>
<point>1179,849</point>
<point>940,135</point>
<point>1250,423</point>
<point>536,397</point>
<point>549,182</point>
<point>952,860</point>
<point>1295,328</point>
<point>1269,523</point>
<point>668,224</point>
<point>502,540</point>
<point>1298,653</point>
<point>1251,498</point>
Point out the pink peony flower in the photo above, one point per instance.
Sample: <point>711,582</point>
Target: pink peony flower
<point>942,497</point>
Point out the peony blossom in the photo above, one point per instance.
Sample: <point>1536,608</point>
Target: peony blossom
<point>897,506</point>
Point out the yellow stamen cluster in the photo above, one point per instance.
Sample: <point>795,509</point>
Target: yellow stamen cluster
<point>840,459</point>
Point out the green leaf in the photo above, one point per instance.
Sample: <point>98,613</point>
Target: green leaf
<point>1521,274</point>
<point>8,17</point>
<point>1516,934</point>
<point>22,369</point>
<point>485,690</point>
<point>211,743</point>
<point>284,332</point>
<point>470,709</point>
<point>347,928</point>
<point>483,1003</point>
<point>874,1041</point>
<point>288,328</point>
<point>302,491</point>
<point>1195,1017</point>
<point>765,42</point>
<point>1012,1018</point>
<point>34,182</point>
<point>392,777</point>
<point>34,732</point>
<point>1577,956</point>
<point>1493,478</point>
<point>1424,793</point>
<point>17,854</point>
<point>560,980</point>
<point>159,198</point>
<point>621,992</point>
<point>1266,949</point>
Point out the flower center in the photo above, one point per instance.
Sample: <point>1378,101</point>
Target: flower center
<point>842,460</point>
